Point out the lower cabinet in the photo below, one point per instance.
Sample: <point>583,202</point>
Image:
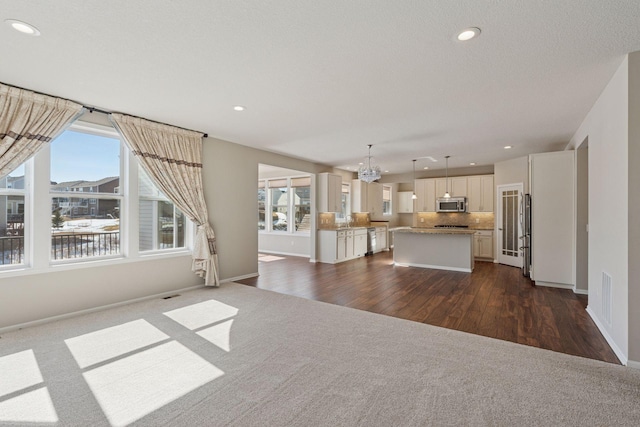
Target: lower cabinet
<point>483,244</point>
<point>341,245</point>
<point>381,239</point>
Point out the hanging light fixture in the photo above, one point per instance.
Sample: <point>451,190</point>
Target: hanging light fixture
<point>414,180</point>
<point>446,194</point>
<point>369,173</point>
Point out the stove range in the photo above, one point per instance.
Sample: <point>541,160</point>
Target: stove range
<point>450,226</point>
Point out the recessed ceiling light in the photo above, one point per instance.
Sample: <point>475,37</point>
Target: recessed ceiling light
<point>386,171</point>
<point>426,167</point>
<point>361,163</point>
<point>468,34</point>
<point>23,27</point>
<point>507,147</point>
<point>238,108</point>
<point>472,163</point>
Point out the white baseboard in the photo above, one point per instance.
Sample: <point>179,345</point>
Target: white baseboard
<point>581,291</point>
<point>435,267</point>
<point>605,334</point>
<point>633,364</point>
<point>553,285</point>
<point>94,309</point>
<point>245,276</point>
<point>284,253</point>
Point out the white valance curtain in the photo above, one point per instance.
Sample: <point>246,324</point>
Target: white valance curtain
<point>28,121</point>
<point>173,159</point>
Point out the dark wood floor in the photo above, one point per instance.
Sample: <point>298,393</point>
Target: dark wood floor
<point>495,300</point>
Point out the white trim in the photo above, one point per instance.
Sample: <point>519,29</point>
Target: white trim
<point>553,285</point>
<point>437,267</point>
<point>605,334</point>
<point>233,279</point>
<point>580,291</point>
<point>283,253</point>
<point>94,309</point>
<point>633,364</point>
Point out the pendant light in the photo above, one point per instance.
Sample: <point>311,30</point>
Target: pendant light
<point>446,194</point>
<point>414,180</point>
<point>369,174</point>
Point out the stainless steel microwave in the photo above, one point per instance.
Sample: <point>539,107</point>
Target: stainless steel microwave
<point>451,204</point>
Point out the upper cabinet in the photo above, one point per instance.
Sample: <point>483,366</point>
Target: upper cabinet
<point>367,198</point>
<point>329,192</point>
<point>480,193</point>
<point>457,186</point>
<point>425,195</point>
<point>405,201</point>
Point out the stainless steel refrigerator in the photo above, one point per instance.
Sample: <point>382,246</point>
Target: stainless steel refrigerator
<point>525,222</point>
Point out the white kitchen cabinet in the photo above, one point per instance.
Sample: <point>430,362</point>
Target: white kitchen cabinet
<point>359,242</point>
<point>553,218</point>
<point>367,198</point>
<point>341,245</point>
<point>483,244</point>
<point>457,186</point>
<point>329,192</point>
<point>480,193</point>
<point>426,195</point>
<point>381,239</point>
<point>405,202</point>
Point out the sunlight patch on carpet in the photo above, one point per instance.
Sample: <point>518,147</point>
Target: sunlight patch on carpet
<point>202,314</point>
<point>130,388</point>
<point>115,341</point>
<point>219,335</point>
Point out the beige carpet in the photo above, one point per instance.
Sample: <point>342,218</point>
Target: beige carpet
<point>248,357</point>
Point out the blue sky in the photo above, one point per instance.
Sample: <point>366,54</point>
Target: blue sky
<point>79,156</point>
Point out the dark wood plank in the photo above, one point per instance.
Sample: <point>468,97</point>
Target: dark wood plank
<point>495,300</point>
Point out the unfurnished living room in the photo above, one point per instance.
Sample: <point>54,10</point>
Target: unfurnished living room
<point>329,213</point>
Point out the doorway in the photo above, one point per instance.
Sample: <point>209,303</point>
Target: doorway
<point>509,228</point>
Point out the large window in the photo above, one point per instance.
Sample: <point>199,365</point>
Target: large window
<point>12,217</point>
<point>82,198</point>
<point>161,224</point>
<point>82,162</point>
<point>289,205</point>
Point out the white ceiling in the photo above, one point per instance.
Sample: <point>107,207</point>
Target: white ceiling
<point>321,79</point>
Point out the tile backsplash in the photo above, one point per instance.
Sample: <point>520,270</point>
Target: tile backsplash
<point>327,220</point>
<point>473,220</point>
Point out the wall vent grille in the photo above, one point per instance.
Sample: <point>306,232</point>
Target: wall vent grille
<point>606,298</point>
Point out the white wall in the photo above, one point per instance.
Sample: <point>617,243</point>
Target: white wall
<point>512,172</point>
<point>285,244</point>
<point>33,297</point>
<point>606,127</point>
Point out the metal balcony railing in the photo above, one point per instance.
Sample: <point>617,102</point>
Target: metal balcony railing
<point>80,245</point>
<point>12,250</point>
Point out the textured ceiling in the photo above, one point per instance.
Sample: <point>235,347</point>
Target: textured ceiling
<point>322,79</point>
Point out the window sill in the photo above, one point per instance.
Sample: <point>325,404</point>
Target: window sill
<point>89,263</point>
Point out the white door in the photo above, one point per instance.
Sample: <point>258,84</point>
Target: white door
<point>509,229</point>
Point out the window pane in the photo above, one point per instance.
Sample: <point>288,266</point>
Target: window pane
<point>82,162</point>
<point>302,200</point>
<point>146,225</point>
<point>165,225</point>
<point>75,234</point>
<point>279,203</point>
<point>146,187</point>
<point>15,179</point>
<point>262,195</point>
<point>11,230</point>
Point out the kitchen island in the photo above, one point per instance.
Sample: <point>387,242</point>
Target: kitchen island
<point>444,249</point>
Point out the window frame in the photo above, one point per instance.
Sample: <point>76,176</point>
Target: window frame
<point>388,212</point>
<point>291,205</point>
<point>27,233</point>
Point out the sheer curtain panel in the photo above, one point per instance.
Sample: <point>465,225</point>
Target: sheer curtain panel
<point>173,159</point>
<point>28,121</point>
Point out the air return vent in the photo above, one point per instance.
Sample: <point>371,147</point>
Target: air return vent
<point>606,298</point>
<point>171,296</point>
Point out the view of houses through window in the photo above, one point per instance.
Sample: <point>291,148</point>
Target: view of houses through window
<point>86,202</point>
<point>386,199</point>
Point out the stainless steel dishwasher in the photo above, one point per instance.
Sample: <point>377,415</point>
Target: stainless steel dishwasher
<point>371,240</point>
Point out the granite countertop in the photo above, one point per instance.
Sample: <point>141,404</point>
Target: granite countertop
<point>424,230</point>
<point>343,228</point>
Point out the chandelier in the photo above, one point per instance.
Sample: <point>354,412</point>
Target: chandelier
<point>369,173</point>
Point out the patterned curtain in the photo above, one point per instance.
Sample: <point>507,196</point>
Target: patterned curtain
<point>173,159</point>
<point>28,121</point>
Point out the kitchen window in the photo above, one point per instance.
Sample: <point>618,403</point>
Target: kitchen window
<point>386,199</point>
<point>262,200</point>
